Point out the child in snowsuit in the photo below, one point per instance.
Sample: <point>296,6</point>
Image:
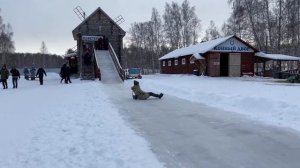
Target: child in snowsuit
<point>26,73</point>
<point>32,73</point>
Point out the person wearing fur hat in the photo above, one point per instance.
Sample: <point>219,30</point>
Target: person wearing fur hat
<point>140,94</point>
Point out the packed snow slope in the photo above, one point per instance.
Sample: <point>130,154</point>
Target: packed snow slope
<point>268,100</point>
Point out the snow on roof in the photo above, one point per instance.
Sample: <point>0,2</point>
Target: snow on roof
<point>277,56</point>
<point>198,56</point>
<point>197,48</point>
<point>70,55</point>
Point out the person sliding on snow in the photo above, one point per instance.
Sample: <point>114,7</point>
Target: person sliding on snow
<point>140,94</point>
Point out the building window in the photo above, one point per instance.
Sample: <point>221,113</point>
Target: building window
<point>169,63</point>
<point>176,62</point>
<point>183,61</point>
<point>192,61</point>
<point>164,63</point>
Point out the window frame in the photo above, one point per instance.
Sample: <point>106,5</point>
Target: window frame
<point>183,61</point>
<point>176,62</point>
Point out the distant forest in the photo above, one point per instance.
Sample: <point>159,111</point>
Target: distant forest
<point>21,60</point>
<point>272,26</point>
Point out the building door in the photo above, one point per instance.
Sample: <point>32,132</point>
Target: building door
<point>235,64</point>
<point>224,64</point>
<point>214,64</point>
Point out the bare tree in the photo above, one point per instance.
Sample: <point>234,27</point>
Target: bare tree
<point>6,42</point>
<point>212,32</point>
<point>173,25</point>
<point>158,39</point>
<point>190,24</point>
<point>271,25</point>
<point>138,32</point>
<point>43,48</point>
<point>279,18</point>
<point>154,38</point>
<point>6,33</point>
<point>181,24</point>
<point>43,51</point>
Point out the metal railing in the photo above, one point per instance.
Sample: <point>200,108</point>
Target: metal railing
<point>116,62</point>
<point>97,68</point>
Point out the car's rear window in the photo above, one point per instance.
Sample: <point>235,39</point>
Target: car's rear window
<point>134,71</point>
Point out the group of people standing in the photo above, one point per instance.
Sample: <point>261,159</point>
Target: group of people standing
<point>31,74</point>
<point>4,72</point>
<point>65,73</point>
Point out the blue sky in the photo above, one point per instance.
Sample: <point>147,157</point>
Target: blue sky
<point>34,21</point>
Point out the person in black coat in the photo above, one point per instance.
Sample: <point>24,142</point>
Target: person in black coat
<point>4,76</point>
<point>63,73</point>
<point>40,73</point>
<point>68,74</point>
<point>87,57</point>
<point>15,76</point>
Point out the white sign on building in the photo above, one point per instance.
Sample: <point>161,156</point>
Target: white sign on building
<point>91,38</point>
<point>232,45</point>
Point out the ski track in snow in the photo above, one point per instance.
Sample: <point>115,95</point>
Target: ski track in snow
<point>257,98</point>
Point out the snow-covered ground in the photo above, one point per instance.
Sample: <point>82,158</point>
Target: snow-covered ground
<point>59,125</point>
<point>271,101</point>
<point>76,125</point>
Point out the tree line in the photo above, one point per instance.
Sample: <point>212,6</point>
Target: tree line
<point>6,33</point>
<point>272,26</point>
<point>20,60</point>
<point>178,27</point>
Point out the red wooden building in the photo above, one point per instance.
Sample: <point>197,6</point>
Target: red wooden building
<point>227,56</point>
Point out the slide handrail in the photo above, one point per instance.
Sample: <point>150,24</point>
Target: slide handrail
<point>116,62</point>
<point>97,68</point>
